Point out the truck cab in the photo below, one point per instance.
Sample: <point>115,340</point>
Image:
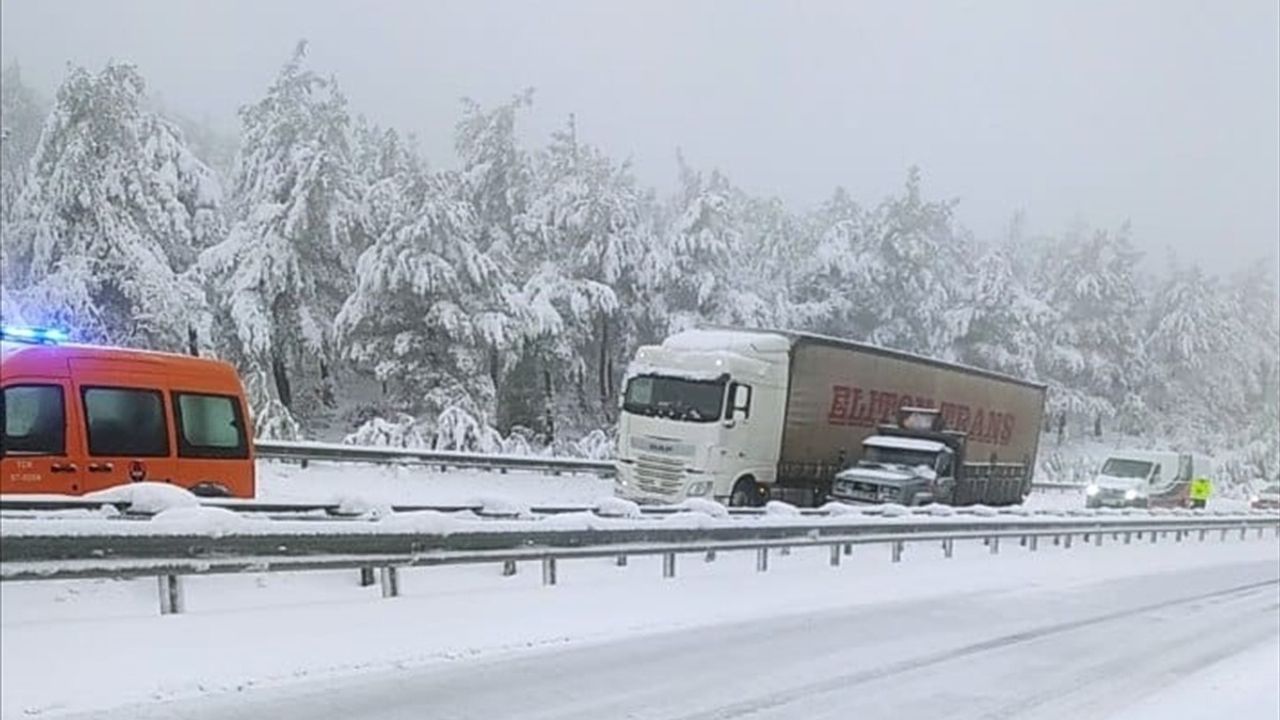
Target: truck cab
<point>701,416</point>
<point>915,462</point>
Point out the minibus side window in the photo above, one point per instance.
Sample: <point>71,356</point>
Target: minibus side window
<point>125,422</point>
<point>209,426</point>
<point>34,420</point>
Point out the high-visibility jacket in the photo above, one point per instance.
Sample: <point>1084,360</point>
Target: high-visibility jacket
<point>1201,488</point>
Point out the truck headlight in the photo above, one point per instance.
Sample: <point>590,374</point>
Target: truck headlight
<point>698,489</point>
<point>1131,494</point>
<point>1092,490</point>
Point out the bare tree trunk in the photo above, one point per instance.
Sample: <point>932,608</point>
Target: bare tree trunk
<point>281,375</point>
<point>548,402</point>
<point>603,365</point>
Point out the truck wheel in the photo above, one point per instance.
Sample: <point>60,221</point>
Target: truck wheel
<point>745,493</point>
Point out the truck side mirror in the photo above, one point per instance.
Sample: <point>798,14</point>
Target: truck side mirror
<point>740,401</point>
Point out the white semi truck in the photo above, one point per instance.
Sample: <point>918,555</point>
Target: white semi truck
<point>745,415</point>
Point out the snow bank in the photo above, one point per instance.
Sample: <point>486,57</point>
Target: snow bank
<point>617,507</point>
<point>209,521</point>
<point>703,506</point>
<point>147,498</point>
<point>778,508</point>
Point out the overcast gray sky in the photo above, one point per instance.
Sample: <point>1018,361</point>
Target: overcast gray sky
<point>1165,112</point>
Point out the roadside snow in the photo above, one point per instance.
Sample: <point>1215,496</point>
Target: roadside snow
<point>147,498</point>
<point>261,630</point>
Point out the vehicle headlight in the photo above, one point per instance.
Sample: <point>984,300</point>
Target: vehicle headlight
<point>1130,494</point>
<point>1092,490</point>
<point>1254,498</point>
<point>700,488</point>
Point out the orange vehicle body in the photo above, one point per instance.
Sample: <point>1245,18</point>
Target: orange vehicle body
<point>81,418</point>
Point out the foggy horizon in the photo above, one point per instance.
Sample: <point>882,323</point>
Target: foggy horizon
<point>1164,115</point>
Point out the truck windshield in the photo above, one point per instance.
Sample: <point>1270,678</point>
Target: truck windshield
<point>1117,467</point>
<point>899,456</point>
<point>675,398</point>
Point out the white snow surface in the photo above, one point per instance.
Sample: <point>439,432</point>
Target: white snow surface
<point>904,443</point>
<point>1020,634</point>
<point>147,497</point>
<point>728,340</point>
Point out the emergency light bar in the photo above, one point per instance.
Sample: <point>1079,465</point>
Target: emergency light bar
<point>43,336</point>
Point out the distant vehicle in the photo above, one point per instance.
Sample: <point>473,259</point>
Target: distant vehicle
<point>79,418</point>
<point>1145,478</point>
<point>747,415</point>
<point>1266,498</point>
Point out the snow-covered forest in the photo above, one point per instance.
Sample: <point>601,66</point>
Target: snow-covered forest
<point>363,291</point>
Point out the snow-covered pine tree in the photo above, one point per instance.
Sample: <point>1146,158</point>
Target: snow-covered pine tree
<point>429,306</point>
<point>1192,343</point>
<point>114,209</point>
<point>581,246</point>
<point>1093,356</point>
<point>705,241</point>
<point>834,292</point>
<point>286,266</point>
<point>1006,316</point>
<point>22,114</point>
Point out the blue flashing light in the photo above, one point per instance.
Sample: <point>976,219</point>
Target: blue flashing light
<point>48,336</point>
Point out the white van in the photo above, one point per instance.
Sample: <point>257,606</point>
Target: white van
<point>1144,478</point>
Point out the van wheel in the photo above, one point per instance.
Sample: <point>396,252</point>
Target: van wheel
<point>745,493</point>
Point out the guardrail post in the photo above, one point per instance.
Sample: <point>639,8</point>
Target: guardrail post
<point>1097,539</point>
<point>548,571</point>
<point>1155,537</point>
<point>1224,535</point>
<point>784,551</point>
<point>390,579</point>
<point>1084,537</point>
<point>848,548</point>
<point>762,559</point>
<point>669,565</point>
<point>1139,535</point>
<point>1244,531</point>
<point>508,568</point>
<point>1260,532</point>
<point>948,548</point>
<point>366,576</point>
<point>303,463</point>
<point>1066,540</point>
<point>994,544</point>
<point>622,561</point>
<point>1022,541</point>
<point>835,556</point>
<point>711,556</point>
<point>1203,532</point>
<point>172,601</point>
<point>1128,537</point>
<point>1032,542</point>
<point>1177,536</point>
<point>897,550</point>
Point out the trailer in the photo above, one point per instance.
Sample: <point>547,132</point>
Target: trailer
<point>747,415</point>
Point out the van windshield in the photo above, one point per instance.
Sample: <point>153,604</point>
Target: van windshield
<point>899,456</point>
<point>1120,468</point>
<point>675,398</point>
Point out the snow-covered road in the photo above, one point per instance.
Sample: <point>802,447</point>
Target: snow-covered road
<point>1105,633</point>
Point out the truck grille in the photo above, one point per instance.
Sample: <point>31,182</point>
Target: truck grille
<point>659,475</point>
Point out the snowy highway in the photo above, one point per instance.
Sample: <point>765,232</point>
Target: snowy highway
<point>1087,633</point>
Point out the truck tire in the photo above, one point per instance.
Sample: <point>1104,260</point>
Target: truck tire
<point>745,493</point>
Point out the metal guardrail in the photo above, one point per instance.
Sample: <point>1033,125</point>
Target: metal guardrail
<point>169,556</point>
<point>307,452</point>
<point>304,453</point>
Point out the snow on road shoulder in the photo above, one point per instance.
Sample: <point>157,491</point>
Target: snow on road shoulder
<point>423,485</point>
<point>1243,686</point>
<point>260,630</point>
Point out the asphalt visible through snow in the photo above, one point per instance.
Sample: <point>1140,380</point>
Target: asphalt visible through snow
<point>1038,652</point>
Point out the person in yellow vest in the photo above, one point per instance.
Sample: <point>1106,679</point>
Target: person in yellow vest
<point>1201,489</point>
